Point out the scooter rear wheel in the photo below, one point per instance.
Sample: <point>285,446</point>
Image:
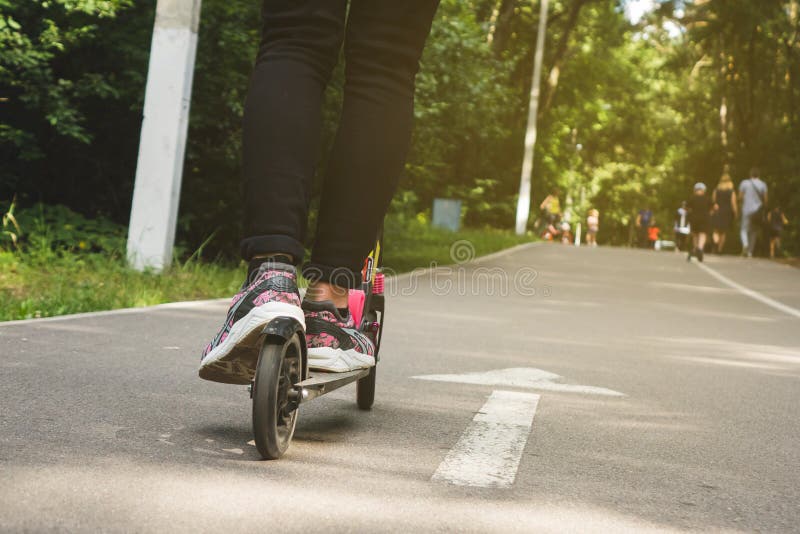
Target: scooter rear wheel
<point>274,412</point>
<point>365,390</point>
<point>365,387</point>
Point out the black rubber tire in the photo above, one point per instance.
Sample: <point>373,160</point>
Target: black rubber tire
<point>365,390</point>
<point>279,367</point>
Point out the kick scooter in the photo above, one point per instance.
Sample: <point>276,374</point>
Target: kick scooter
<point>282,380</point>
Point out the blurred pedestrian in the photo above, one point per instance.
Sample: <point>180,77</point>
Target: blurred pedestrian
<point>551,207</point>
<point>725,210</point>
<point>592,226</point>
<point>644,219</point>
<point>652,236</point>
<point>752,201</point>
<point>776,220</point>
<point>566,231</point>
<point>699,206</point>
<point>681,227</point>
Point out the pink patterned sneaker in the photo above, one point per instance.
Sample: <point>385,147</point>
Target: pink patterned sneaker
<point>270,292</point>
<point>334,343</point>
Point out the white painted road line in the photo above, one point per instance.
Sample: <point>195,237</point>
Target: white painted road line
<point>751,293</point>
<point>488,453</point>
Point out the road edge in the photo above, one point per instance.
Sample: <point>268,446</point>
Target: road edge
<point>421,271</point>
<point>184,304</point>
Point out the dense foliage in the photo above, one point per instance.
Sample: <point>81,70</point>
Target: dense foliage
<point>631,114</point>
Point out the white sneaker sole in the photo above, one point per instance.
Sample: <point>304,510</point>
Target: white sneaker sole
<point>234,360</point>
<point>338,360</point>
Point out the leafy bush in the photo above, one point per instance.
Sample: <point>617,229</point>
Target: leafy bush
<point>43,229</point>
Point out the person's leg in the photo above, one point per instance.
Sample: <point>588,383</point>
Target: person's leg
<point>744,233</point>
<point>383,44</point>
<point>701,241</point>
<point>282,121</point>
<point>752,236</point>
<point>721,244</point>
<point>300,44</point>
<point>774,245</point>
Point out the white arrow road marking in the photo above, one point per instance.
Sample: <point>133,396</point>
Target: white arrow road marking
<point>488,453</point>
<point>521,377</point>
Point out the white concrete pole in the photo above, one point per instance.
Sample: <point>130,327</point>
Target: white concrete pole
<point>524,201</point>
<point>156,192</point>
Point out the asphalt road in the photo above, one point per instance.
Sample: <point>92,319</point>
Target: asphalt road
<point>104,425</point>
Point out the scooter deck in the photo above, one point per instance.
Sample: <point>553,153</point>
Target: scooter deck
<point>319,382</point>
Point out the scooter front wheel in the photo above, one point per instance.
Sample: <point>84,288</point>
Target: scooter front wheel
<point>274,407</point>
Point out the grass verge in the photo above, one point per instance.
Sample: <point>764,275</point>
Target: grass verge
<point>412,244</point>
<point>80,283</point>
<point>45,281</point>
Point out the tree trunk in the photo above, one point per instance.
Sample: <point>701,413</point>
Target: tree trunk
<point>502,31</point>
<point>560,55</point>
<point>794,15</point>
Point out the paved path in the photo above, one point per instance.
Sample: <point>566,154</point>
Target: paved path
<point>647,396</point>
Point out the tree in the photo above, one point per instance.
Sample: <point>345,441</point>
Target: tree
<point>71,78</point>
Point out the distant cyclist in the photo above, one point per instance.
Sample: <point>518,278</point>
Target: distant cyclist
<point>551,207</point>
<point>300,45</point>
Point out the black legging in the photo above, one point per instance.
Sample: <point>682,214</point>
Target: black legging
<point>301,41</point>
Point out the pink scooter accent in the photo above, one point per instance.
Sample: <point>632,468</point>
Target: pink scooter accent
<point>355,301</point>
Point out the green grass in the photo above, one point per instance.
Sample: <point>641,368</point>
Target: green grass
<point>73,283</point>
<point>47,279</point>
<point>413,244</point>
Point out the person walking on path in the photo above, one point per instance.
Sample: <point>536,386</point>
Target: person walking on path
<point>681,227</point>
<point>592,226</point>
<point>699,207</point>
<point>752,201</point>
<point>300,45</point>
<point>776,220</point>
<point>653,234</point>
<point>644,219</point>
<point>725,209</point>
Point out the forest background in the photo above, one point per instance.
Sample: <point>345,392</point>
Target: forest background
<point>633,110</point>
